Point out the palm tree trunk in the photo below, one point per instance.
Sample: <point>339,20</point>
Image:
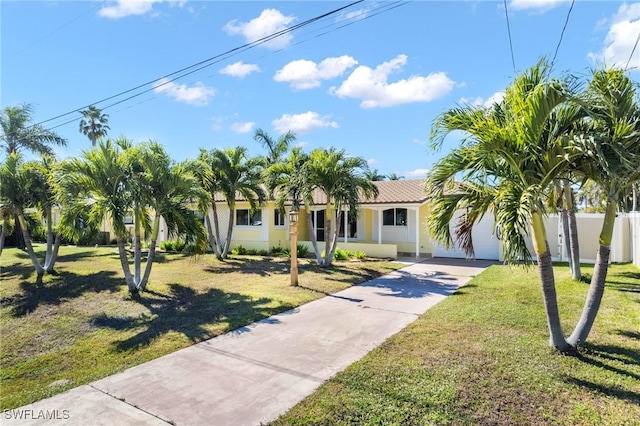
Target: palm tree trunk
<point>216,224</point>
<point>27,243</point>
<point>212,239</point>
<point>17,232</point>
<point>137,251</point>
<point>232,212</point>
<point>327,235</point>
<point>566,238</point>
<point>596,287</point>
<point>152,252</point>
<point>314,239</point>
<point>1,241</point>
<point>49,250</point>
<point>574,245</point>
<point>49,263</point>
<point>124,262</point>
<point>334,239</point>
<point>547,280</point>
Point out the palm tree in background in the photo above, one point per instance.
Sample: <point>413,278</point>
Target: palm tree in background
<point>276,148</point>
<point>373,175</point>
<point>394,176</point>
<point>19,135</point>
<point>94,124</point>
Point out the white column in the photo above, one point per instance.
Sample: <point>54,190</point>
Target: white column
<point>379,226</point>
<point>417,232</point>
<point>345,226</point>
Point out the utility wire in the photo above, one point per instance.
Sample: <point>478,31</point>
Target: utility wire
<point>562,33</point>
<point>506,13</point>
<point>632,52</point>
<point>199,65</point>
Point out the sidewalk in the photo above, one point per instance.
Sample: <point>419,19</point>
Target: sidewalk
<point>256,373</point>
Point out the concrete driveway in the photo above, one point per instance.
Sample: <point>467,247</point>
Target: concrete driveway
<point>256,373</point>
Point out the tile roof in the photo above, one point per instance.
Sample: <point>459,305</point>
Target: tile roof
<point>389,192</point>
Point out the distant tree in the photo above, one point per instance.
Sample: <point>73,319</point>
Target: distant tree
<point>19,135</point>
<point>94,124</point>
<point>393,176</point>
<point>373,175</point>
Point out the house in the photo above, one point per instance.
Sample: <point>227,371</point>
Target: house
<point>390,225</point>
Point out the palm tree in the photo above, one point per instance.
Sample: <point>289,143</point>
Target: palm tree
<point>26,185</point>
<point>229,172</point>
<point>120,179</point>
<point>18,134</point>
<point>289,181</point>
<point>94,124</point>
<point>394,176</point>
<point>373,175</point>
<point>508,162</point>
<point>610,157</point>
<point>276,148</point>
<point>342,179</point>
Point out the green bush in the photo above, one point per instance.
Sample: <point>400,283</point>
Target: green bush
<point>263,253</point>
<point>239,250</point>
<point>359,254</point>
<point>252,252</point>
<point>341,254</point>
<point>172,245</point>
<point>302,250</point>
<point>279,251</point>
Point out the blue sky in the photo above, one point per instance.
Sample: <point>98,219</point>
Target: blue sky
<point>371,86</point>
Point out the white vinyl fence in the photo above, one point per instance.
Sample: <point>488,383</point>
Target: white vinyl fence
<point>634,233</point>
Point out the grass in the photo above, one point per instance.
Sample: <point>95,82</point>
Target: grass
<point>481,357</point>
<point>80,324</point>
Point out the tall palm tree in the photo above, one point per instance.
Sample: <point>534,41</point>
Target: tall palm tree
<point>276,148</point>
<point>19,135</point>
<point>94,124</point>
<point>394,176</point>
<point>508,162</point>
<point>342,179</point>
<point>230,172</point>
<point>610,157</point>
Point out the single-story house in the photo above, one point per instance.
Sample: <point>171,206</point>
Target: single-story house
<point>392,224</point>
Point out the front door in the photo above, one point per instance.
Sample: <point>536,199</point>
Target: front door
<point>317,219</point>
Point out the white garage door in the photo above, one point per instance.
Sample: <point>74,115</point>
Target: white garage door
<point>485,244</point>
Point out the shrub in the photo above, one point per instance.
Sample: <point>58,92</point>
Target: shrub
<point>252,252</point>
<point>341,254</point>
<point>239,251</point>
<point>263,253</point>
<point>172,245</point>
<point>302,250</point>
<point>278,251</point>
<point>360,254</point>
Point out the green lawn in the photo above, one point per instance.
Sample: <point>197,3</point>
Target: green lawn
<point>481,357</point>
<point>80,324</point>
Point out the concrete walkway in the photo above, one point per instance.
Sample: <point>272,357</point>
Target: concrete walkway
<point>256,373</point>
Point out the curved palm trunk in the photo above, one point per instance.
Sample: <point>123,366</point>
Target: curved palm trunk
<point>574,246</point>
<point>334,239</point>
<point>212,239</point>
<point>596,287</point>
<point>216,224</point>
<point>314,239</point>
<point>53,244</point>
<point>51,261</point>
<point>566,238</point>
<point>152,252</point>
<point>137,251</point>
<point>547,280</point>
<point>124,262</point>
<point>27,242</point>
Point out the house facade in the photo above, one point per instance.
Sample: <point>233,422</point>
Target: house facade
<point>392,224</point>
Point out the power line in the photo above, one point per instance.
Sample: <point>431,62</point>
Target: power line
<point>562,33</point>
<point>632,52</point>
<point>199,65</point>
<point>506,13</point>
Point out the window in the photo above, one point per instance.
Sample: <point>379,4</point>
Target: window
<point>278,217</point>
<point>394,217</point>
<point>128,220</point>
<point>244,217</point>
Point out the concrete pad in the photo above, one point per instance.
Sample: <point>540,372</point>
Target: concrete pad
<point>254,374</point>
<point>81,406</point>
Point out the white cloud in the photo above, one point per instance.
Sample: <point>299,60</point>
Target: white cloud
<point>416,174</point>
<point>419,141</point>
<point>372,161</point>
<point>303,74</point>
<point>302,123</point>
<point>622,36</point>
<point>198,94</point>
<point>495,98</point>
<point>122,8</point>
<point>372,87</point>
<point>302,144</point>
<point>218,123</point>
<point>539,5</point>
<point>270,21</point>
<point>239,69</point>
<point>243,127</point>
<point>354,15</point>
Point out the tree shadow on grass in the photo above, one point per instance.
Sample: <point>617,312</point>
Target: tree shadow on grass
<point>24,270</point>
<point>187,312</point>
<point>611,391</point>
<point>64,286</point>
<point>261,267</point>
